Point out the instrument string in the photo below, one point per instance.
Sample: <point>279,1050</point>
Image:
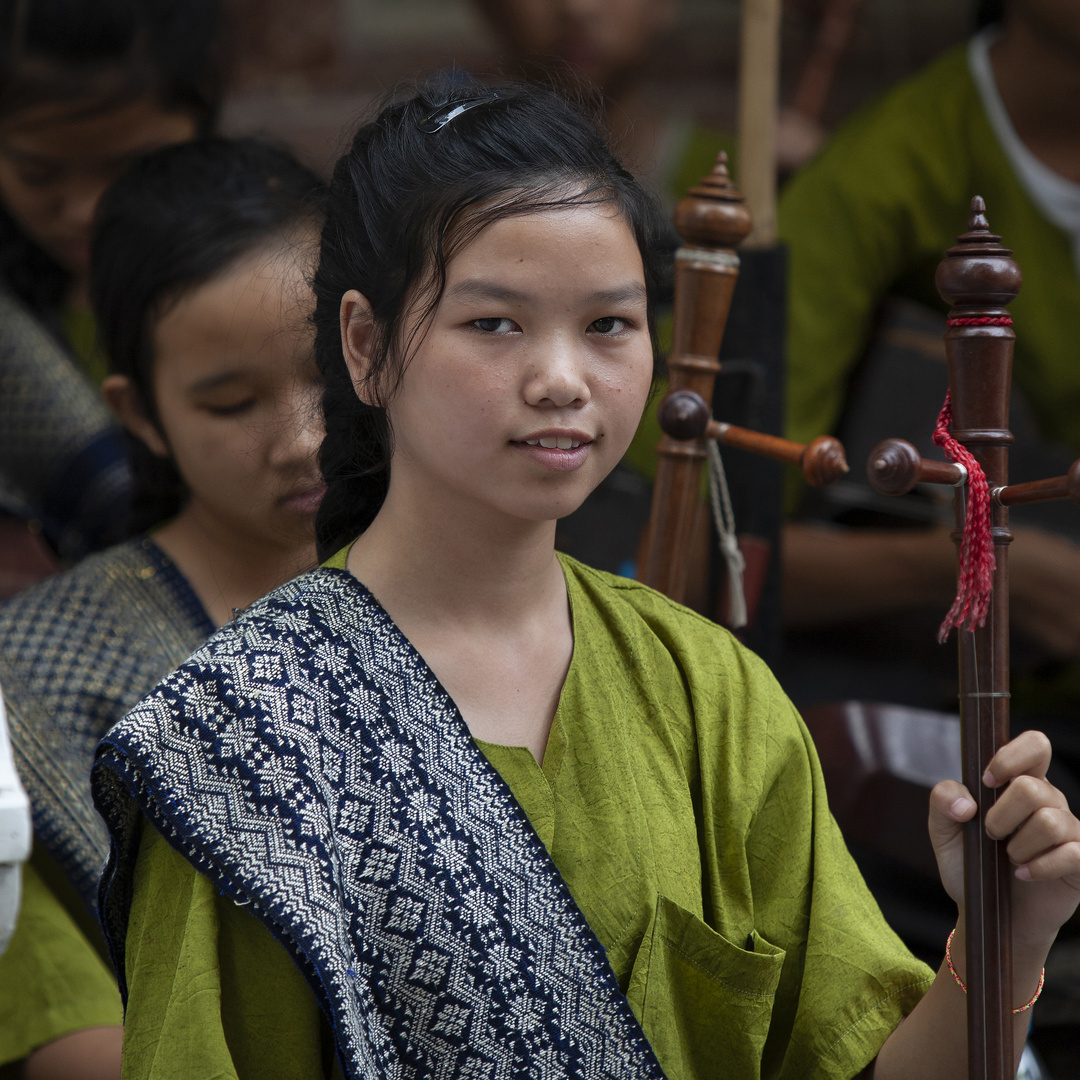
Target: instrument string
<point>724,519</point>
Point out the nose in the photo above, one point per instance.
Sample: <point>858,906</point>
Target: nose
<point>300,428</point>
<point>558,378</point>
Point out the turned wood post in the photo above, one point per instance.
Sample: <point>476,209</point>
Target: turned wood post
<point>711,219</point>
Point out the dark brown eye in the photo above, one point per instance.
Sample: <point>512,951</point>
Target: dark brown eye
<point>607,325</point>
<point>493,326</point>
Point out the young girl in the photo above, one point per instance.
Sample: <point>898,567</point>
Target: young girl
<point>200,279</point>
<point>84,88</point>
<point>454,806</point>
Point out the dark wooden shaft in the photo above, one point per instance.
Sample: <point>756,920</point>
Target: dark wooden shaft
<point>684,416</point>
<point>711,219</point>
<point>756,442</point>
<point>978,277</point>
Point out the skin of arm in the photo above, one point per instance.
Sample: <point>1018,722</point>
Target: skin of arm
<point>832,575</point>
<point>1044,847</point>
<point>92,1054</point>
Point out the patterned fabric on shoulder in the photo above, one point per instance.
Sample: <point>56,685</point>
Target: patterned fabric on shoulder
<point>76,652</point>
<point>310,764</point>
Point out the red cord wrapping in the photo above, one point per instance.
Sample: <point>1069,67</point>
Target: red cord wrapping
<point>976,576</point>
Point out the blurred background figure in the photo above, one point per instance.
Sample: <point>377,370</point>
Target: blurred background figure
<point>605,46</point>
<point>200,282</point>
<point>84,88</point>
<point>306,77</point>
<point>868,220</point>
<point>868,578</point>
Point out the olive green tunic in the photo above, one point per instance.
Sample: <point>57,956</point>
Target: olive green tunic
<point>53,980</point>
<point>682,801</point>
<point>873,215</point>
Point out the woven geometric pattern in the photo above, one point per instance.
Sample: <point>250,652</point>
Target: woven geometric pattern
<point>76,652</point>
<point>62,457</point>
<point>310,764</point>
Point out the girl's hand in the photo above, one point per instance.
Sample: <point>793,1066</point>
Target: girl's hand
<point>1043,835</point>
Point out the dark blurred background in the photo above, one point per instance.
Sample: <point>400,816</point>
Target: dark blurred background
<point>307,70</point>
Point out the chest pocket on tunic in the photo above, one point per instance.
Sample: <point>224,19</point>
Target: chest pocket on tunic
<point>704,1002</point>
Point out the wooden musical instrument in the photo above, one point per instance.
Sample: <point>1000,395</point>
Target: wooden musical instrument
<point>979,278</point>
<point>712,219</point>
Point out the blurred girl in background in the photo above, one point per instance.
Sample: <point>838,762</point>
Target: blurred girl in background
<point>84,89</point>
<point>200,284</point>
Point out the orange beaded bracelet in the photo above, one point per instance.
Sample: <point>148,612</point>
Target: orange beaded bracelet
<point>952,971</point>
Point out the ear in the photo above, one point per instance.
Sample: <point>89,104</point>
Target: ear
<point>122,397</point>
<point>357,328</point>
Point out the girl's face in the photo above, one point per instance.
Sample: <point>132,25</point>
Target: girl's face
<point>55,165</point>
<point>238,400</point>
<point>602,40</point>
<point>529,383</point>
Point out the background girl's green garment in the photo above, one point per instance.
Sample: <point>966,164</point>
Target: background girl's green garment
<point>52,980</point>
<point>80,329</point>
<point>682,802</point>
<point>873,215</point>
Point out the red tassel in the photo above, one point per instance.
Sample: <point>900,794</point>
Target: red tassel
<point>976,577</point>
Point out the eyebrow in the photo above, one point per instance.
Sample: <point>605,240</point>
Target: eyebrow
<point>474,289</point>
<point>212,382</point>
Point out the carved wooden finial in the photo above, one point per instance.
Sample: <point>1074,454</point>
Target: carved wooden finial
<point>978,271</point>
<point>977,222</point>
<point>713,213</point>
<point>824,461</point>
<point>719,181</point>
<point>684,415</point>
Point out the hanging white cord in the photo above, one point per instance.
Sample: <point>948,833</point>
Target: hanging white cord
<point>724,519</point>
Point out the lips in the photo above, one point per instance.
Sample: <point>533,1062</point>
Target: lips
<point>305,500</point>
<point>556,451</point>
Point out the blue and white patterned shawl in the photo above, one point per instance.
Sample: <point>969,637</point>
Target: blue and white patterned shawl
<point>76,652</point>
<point>310,764</point>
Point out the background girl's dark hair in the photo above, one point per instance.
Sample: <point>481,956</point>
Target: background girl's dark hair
<point>402,201</point>
<point>97,55</point>
<point>176,219</point>
<point>988,12</point>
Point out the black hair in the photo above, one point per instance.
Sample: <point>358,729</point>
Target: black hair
<point>97,55</point>
<point>403,200</point>
<point>175,220</point>
<point>989,12</point>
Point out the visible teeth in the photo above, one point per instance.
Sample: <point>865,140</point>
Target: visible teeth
<point>552,443</point>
